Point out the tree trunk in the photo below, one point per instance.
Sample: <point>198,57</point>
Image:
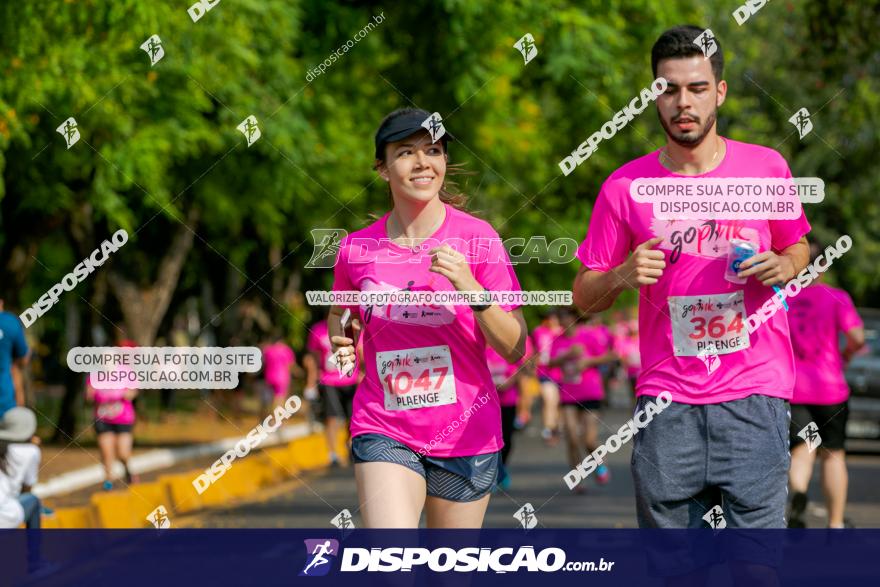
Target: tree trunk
<point>144,308</point>
<point>65,428</point>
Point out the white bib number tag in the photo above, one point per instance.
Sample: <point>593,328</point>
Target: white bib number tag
<point>499,373</point>
<point>110,410</point>
<point>698,321</point>
<point>570,372</point>
<point>416,378</point>
<point>330,363</point>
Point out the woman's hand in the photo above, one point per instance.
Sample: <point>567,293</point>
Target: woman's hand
<point>343,349</point>
<point>453,266</point>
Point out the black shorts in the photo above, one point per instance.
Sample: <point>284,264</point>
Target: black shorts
<point>452,478</point>
<point>587,405</point>
<point>101,427</point>
<point>829,419</point>
<point>336,401</point>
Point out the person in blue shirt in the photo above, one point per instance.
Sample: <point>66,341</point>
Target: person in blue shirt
<point>13,356</point>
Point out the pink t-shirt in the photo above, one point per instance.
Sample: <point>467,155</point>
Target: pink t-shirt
<point>501,371</point>
<point>543,337</point>
<point>111,406</point>
<point>816,316</point>
<point>602,333</point>
<point>626,345</point>
<point>328,374</point>
<point>277,359</point>
<point>425,365</point>
<point>576,384</point>
<point>693,295</point>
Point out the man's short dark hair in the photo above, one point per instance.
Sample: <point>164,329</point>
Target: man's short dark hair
<point>678,43</point>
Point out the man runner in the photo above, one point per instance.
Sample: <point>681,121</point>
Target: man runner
<point>722,440</point>
<point>13,358</point>
<point>819,314</point>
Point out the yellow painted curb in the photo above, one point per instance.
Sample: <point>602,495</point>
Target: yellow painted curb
<point>282,458</point>
<point>77,517</point>
<point>145,498</point>
<point>129,508</point>
<point>184,497</point>
<point>111,509</point>
<point>310,452</point>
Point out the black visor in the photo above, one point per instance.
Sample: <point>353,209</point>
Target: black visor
<point>401,127</point>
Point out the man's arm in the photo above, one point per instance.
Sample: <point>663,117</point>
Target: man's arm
<point>855,340</point>
<point>20,355</point>
<point>18,380</point>
<point>595,291</point>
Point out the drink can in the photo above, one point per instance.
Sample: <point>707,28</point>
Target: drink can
<point>739,251</point>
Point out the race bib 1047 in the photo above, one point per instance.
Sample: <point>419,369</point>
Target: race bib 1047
<point>718,319</point>
<point>416,378</point>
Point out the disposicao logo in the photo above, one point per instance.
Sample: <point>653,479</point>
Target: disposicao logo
<point>320,553</point>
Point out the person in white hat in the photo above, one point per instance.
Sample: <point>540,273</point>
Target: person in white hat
<point>19,463</point>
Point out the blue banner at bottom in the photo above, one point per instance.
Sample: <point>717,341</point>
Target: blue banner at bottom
<point>170,557</point>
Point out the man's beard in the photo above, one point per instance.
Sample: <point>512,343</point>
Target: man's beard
<point>687,139</point>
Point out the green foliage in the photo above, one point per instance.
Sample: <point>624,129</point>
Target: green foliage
<point>158,142</point>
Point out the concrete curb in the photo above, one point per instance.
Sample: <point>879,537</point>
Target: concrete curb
<point>130,507</point>
<point>156,460</point>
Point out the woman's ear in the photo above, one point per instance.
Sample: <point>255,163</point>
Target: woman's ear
<point>382,170</point>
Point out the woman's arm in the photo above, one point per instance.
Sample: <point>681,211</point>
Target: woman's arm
<point>504,331</point>
<point>311,365</point>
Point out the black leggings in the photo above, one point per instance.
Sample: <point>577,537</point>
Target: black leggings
<point>508,415</point>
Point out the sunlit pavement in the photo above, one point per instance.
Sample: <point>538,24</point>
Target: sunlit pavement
<point>537,478</point>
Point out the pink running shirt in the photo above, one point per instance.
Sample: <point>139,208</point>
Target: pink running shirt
<point>328,374</point>
<point>424,365</point>
<point>543,337</point>
<point>579,385</point>
<point>816,316</point>
<point>501,371</point>
<point>111,406</point>
<point>627,348</point>
<point>277,359</point>
<point>693,291</point>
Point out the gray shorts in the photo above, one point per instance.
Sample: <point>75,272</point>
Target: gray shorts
<point>692,457</point>
<point>454,478</point>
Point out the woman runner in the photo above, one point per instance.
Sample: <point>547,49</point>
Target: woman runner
<point>509,379</point>
<point>426,423</point>
<point>579,351</point>
<point>114,421</point>
<point>336,389</point>
<point>544,334</point>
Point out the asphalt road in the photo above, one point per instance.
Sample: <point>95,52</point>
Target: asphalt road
<point>537,471</point>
